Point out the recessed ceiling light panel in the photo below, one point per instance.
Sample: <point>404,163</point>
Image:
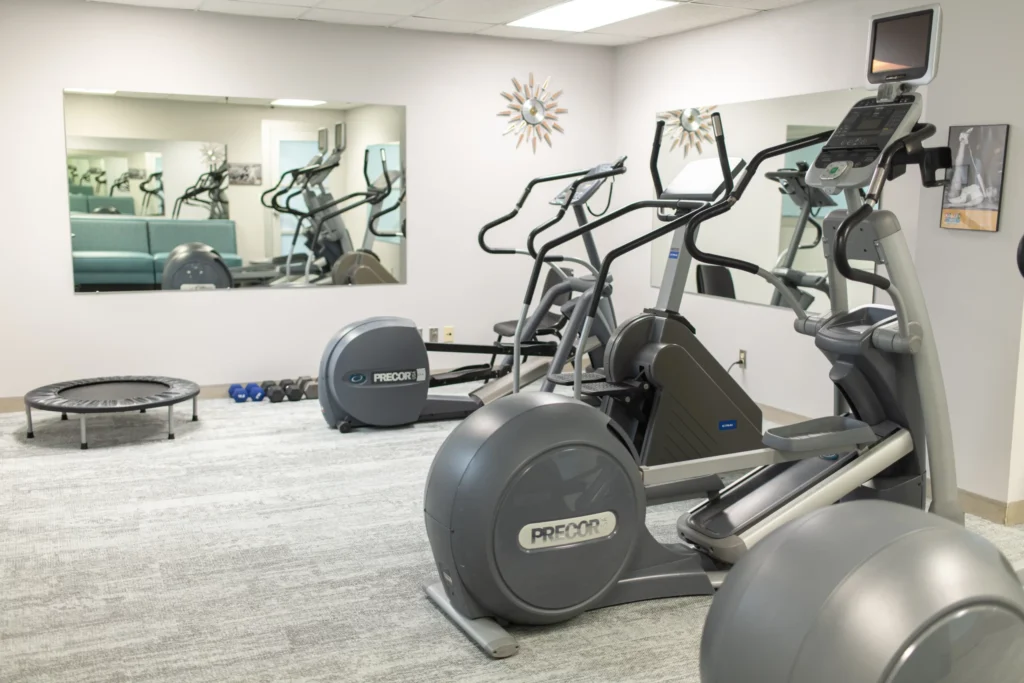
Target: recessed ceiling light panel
<point>297,103</point>
<point>584,15</point>
<point>90,91</point>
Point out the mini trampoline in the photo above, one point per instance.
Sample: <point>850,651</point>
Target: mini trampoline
<point>86,397</point>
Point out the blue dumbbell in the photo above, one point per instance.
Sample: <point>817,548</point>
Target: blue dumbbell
<point>255,391</point>
<point>238,392</point>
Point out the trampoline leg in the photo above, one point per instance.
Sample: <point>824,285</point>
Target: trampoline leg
<point>170,422</point>
<point>195,409</point>
<point>63,416</point>
<point>28,415</point>
<point>85,440</point>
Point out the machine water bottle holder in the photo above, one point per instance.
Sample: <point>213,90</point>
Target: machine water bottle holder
<point>832,433</point>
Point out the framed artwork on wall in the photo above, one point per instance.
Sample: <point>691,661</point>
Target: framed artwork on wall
<point>972,197</point>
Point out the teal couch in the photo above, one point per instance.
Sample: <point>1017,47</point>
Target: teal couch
<point>111,251</point>
<point>78,203</point>
<point>124,205</point>
<point>131,252</point>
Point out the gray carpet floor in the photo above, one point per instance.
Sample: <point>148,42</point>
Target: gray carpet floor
<point>261,546</point>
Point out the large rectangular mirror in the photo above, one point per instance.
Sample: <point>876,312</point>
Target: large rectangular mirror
<point>190,192</point>
<point>778,225</point>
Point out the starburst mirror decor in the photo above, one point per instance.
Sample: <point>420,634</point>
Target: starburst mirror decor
<point>533,112</point>
<point>688,128</point>
<point>213,155</point>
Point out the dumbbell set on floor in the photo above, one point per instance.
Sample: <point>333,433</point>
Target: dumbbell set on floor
<point>249,392</point>
<point>293,390</point>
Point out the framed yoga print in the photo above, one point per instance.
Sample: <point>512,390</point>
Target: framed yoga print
<point>972,197</point>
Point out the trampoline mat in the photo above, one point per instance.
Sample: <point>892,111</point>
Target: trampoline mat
<point>111,394</point>
<point>113,391</point>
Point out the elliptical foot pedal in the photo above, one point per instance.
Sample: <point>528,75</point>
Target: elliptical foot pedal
<point>835,434</point>
<point>611,390</point>
<point>567,379</point>
<point>495,641</point>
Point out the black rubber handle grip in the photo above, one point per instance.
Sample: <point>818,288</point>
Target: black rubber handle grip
<point>839,251</point>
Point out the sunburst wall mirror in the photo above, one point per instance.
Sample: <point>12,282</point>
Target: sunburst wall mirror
<point>533,111</point>
<point>688,128</point>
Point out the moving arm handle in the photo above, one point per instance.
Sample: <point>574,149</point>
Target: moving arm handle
<point>602,175</point>
<point>734,196</point>
<point>659,189</point>
<point>482,235</point>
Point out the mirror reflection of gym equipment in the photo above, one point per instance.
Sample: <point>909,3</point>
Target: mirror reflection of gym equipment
<point>249,202</point>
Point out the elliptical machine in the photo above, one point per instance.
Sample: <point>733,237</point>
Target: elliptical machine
<point>535,505</point>
<point>376,372</point>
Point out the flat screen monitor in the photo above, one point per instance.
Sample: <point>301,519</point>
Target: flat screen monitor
<point>903,47</point>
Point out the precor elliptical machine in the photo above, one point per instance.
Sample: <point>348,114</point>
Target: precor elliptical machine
<point>376,372</point>
<point>535,505</point>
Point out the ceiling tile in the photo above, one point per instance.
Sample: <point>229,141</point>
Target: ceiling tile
<point>421,24</point>
<point>173,4</point>
<point>674,20</point>
<point>354,18</point>
<point>753,4</point>
<point>487,11</point>
<point>403,8</point>
<point>590,38</point>
<point>503,31</point>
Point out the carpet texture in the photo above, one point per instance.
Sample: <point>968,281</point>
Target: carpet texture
<point>261,546</point>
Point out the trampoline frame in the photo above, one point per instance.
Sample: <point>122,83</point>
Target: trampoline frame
<point>48,398</point>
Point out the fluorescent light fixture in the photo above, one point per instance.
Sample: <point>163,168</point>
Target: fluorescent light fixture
<point>90,91</point>
<point>583,15</point>
<point>297,103</point>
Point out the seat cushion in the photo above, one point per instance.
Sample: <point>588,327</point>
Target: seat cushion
<point>112,262</point>
<point>232,260</point>
<point>95,233</point>
<point>549,324</point>
<point>167,233</point>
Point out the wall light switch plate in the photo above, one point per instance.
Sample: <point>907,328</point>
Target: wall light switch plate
<point>449,334</point>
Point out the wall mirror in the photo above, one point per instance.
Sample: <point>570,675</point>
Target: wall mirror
<point>778,223</point>
<point>188,192</point>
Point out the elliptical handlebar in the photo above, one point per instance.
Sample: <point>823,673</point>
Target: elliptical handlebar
<point>659,188</point>
<point>482,235</point>
<point>723,206</point>
<point>600,175</point>
<point>908,149</point>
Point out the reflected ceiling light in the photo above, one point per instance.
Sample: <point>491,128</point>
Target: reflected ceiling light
<point>297,103</point>
<point>583,15</point>
<point>90,91</point>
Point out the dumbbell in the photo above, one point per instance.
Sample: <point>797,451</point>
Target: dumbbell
<point>292,390</point>
<point>255,391</point>
<point>310,387</point>
<point>238,392</point>
<point>274,393</point>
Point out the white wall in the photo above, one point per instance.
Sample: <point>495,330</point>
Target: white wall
<point>240,127</point>
<point>973,290</point>
<point>466,174</point>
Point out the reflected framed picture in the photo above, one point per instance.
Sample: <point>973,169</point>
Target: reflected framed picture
<point>972,197</point>
<point>245,174</point>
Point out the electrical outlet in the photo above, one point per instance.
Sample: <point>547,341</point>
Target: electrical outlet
<point>449,334</point>
<point>743,358</point>
<point>433,335</point>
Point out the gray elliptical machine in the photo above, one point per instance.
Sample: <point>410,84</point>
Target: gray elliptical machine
<point>376,372</point>
<point>535,505</point>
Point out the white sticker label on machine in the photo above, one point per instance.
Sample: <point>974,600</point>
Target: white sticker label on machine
<point>559,532</point>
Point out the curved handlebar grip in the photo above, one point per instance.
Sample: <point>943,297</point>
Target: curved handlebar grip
<point>366,167</point>
<point>481,237</point>
<point>340,136</point>
<point>372,225</point>
<point>602,175</point>
<point>659,189</point>
<point>912,143</point>
<point>723,153</point>
<point>839,251</point>
<point>726,204</point>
